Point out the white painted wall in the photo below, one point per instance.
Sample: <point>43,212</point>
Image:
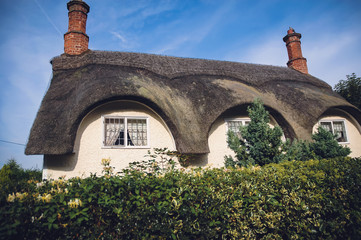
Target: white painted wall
<point>89,150</point>
<point>352,131</point>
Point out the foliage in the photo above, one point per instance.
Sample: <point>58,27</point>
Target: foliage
<point>12,177</point>
<point>298,150</point>
<point>350,89</point>
<point>259,143</point>
<point>325,145</point>
<point>166,158</point>
<point>290,200</point>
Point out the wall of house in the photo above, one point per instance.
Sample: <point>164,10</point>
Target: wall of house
<point>89,150</point>
<point>353,130</point>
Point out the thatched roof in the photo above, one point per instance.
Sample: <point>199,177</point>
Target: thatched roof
<point>189,94</point>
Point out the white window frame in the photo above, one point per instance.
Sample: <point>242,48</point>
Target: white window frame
<point>333,131</point>
<point>243,120</point>
<point>125,118</point>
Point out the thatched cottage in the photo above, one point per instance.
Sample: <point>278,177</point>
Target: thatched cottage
<point>119,105</point>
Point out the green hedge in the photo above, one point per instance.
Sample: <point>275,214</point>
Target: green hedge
<point>316,199</point>
<point>13,177</point>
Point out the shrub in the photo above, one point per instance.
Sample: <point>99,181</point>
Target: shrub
<point>325,145</point>
<point>259,143</point>
<point>298,150</point>
<point>291,200</point>
<point>13,178</point>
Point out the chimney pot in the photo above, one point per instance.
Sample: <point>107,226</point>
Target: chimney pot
<point>75,40</point>
<point>290,30</point>
<point>293,44</point>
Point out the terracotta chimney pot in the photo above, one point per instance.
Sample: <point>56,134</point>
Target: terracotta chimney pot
<point>293,44</point>
<point>75,40</point>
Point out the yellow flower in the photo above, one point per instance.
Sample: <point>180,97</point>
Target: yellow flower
<point>47,198</point>
<point>22,196</point>
<point>75,203</point>
<point>11,197</point>
<point>105,161</point>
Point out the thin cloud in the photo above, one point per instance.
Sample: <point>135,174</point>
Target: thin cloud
<point>172,45</point>
<point>257,50</point>
<point>125,42</point>
<point>48,18</point>
<point>151,10</point>
<point>196,33</point>
<point>211,22</point>
<point>327,47</point>
<point>272,52</point>
<point>332,58</point>
<point>136,13</point>
<point>118,36</point>
<point>328,58</point>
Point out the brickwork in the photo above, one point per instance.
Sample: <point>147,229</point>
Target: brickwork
<point>75,40</point>
<point>293,44</point>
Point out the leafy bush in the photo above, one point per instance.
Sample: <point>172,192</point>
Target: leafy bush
<point>13,178</point>
<point>325,145</point>
<point>299,150</point>
<point>309,200</point>
<point>259,143</point>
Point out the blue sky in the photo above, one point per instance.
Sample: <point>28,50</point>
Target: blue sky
<point>31,33</point>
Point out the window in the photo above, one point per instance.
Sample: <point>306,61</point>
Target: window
<point>336,127</point>
<point>125,131</point>
<point>234,124</point>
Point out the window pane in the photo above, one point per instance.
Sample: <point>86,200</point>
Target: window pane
<point>137,132</point>
<point>234,126</point>
<point>340,131</point>
<point>327,126</point>
<point>114,131</point>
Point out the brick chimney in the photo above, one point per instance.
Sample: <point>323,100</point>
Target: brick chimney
<point>293,44</point>
<point>75,40</point>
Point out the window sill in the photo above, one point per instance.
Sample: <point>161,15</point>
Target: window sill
<point>119,147</point>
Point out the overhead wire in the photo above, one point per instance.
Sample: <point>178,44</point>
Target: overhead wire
<point>10,142</point>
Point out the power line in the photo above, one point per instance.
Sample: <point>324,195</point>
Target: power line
<point>12,143</point>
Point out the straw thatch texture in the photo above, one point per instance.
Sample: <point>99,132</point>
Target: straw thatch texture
<point>189,94</point>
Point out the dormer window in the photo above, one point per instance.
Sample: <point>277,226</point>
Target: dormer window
<point>336,127</point>
<point>125,132</point>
